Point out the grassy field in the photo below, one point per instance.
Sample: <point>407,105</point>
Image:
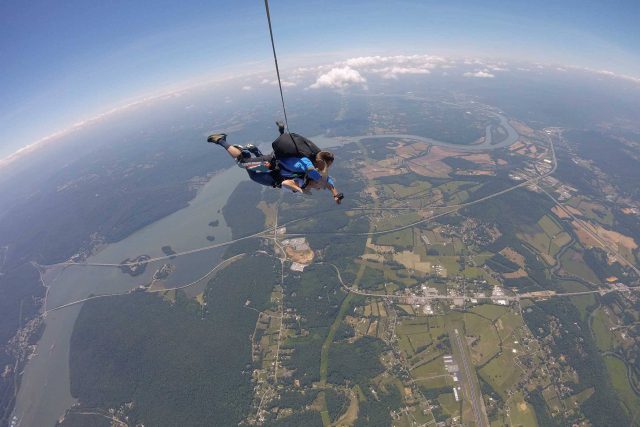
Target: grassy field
<point>520,412</point>
<point>489,310</point>
<point>547,237</point>
<point>573,263</point>
<point>450,263</point>
<point>592,210</point>
<point>618,375</point>
<point>413,336</point>
<point>397,191</point>
<point>402,238</point>
<point>398,220</point>
<point>506,325</point>
<point>501,373</point>
<point>582,302</point>
<point>449,404</point>
<point>600,329</point>
<point>487,343</point>
<point>580,398</point>
<point>428,370</point>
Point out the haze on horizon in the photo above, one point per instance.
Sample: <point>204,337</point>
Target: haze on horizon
<point>67,62</point>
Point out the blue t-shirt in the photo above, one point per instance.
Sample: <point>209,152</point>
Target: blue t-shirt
<point>291,167</point>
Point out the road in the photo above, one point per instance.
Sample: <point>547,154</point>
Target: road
<point>470,386</point>
<point>510,298</point>
<point>219,266</point>
<point>451,209</point>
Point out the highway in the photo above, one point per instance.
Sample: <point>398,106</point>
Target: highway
<point>261,234</point>
<point>219,266</point>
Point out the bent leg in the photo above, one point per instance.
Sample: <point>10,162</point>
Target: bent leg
<point>257,164</point>
<point>262,178</point>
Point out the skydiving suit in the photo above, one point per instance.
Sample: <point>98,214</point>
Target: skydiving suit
<point>266,170</point>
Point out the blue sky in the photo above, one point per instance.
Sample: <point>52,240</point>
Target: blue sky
<point>64,61</point>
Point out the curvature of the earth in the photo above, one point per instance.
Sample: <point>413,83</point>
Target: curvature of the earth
<point>472,202</point>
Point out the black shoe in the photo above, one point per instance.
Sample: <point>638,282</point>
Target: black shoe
<point>217,138</point>
<point>280,127</point>
<point>253,150</point>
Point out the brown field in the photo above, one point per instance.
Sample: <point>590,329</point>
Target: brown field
<point>618,238</point>
<point>372,257</point>
<point>475,172</point>
<point>517,146</point>
<point>611,237</point>
<point>521,128</point>
<point>412,261</point>
<point>302,257</point>
<point>378,172</point>
<point>390,162</point>
<point>516,274</point>
<point>412,150</point>
<point>432,164</point>
<point>561,212</point>
<point>513,256</point>
<point>480,158</point>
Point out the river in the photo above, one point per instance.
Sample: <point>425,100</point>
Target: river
<point>44,393</point>
<point>486,145</point>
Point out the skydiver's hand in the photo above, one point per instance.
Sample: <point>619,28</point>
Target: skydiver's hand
<point>338,198</point>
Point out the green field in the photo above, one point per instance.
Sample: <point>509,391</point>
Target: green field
<point>582,302</point>
<point>490,311</point>
<point>592,211</point>
<point>449,404</point>
<point>428,370</point>
<point>397,191</point>
<point>600,327</point>
<point>521,413</point>
<point>573,263</point>
<point>501,373</point>
<point>487,343</point>
<point>547,237</point>
<point>402,238</point>
<point>618,375</point>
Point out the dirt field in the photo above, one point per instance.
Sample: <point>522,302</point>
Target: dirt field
<point>513,256</point>
<point>302,257</point>
<point>516,274</point>
<point>561,212</point>
<point>622,242</point>
<point>412,261</point>
<point>521,128</point>
<point>378,171</point>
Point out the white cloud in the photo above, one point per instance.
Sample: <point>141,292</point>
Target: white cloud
<point>284,83</point>
<point>338,78</point>
<point>246,88</point>
<point>393,72</point>
<point>391,67</point>
<point>482,74</point>
<point>616,76</point>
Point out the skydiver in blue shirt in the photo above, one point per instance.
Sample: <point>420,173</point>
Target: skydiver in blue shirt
<point>299,174</point>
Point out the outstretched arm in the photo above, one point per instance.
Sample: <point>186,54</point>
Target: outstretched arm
<point>337,196</point>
